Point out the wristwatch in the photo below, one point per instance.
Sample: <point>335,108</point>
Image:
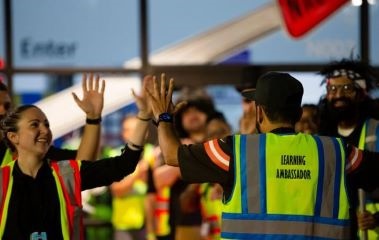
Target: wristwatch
<point>165,117</point>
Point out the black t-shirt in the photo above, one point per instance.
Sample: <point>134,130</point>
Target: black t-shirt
<point>34,204</point>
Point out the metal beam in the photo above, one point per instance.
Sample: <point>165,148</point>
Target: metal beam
<point>365,31</point>
<point>8,70</point>
<point>144,39</point>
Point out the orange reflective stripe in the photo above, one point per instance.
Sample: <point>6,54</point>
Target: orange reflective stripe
<point>216,154</point>
<point>68,173</point>
<point>354,159</point>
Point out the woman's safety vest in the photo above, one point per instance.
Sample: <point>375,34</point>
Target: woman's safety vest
<point>8,157</point>
<point>67,178</point>
<point>368,141</point>
<point>287,187</point>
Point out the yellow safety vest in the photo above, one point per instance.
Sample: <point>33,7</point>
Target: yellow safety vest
<point>67,178</point>
<point>8,157</point>
<point>368,141</point>
<point>211,212</point>
<point>287,187</point>
<point>128,212</point>
<point>161,212</point>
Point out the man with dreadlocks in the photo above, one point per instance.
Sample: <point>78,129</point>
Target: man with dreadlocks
<point>347,111</point>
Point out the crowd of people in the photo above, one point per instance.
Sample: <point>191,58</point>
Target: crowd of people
<point>291,171</point>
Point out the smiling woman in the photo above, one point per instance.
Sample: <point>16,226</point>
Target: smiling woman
<point>34,181</point>
<point>27,131</point>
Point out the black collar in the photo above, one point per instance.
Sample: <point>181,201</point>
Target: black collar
<point>283,130</point>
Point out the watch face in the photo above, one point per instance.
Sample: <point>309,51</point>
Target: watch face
<point>166,117</point>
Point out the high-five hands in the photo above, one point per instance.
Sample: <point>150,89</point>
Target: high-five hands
<point>93,96</point>
<point>160,99</point>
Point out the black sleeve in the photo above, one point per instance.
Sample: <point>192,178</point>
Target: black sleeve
<point>197,167</point>
<point>106,171</point>
<point>365,175</point>
<point>59,154</point>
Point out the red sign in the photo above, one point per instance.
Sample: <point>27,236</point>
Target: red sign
<point>2,63</point>
<point>300,16</point>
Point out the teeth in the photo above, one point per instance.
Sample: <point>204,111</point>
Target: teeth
<point>41,140</point>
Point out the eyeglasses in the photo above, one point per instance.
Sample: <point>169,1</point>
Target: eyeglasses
<point>344,88</point>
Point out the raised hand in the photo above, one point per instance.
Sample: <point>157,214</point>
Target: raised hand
<point>160,99</point>
<point>93,96</point>
<point>141,100</point>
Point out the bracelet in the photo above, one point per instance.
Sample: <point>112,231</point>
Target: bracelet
<point>135,146</point>
<point>95,121</point>
<point>143,119</point>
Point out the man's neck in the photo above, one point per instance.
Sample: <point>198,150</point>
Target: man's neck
<point>197,137</point>
<point>273,126</point>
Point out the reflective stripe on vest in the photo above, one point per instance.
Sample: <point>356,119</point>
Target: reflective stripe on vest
<point>6,184</point>
<point>287,186</point>
<point>369,135</point>
<point>8,157</point>
<point>211,210</point>
<point>68,182</point>
<point>67,178</point>
<point>368,141</point>
<point>161,212</point>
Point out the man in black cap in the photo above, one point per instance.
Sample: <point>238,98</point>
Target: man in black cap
<point>277,183</point>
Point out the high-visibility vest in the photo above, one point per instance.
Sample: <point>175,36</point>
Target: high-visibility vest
<point>368,141</point>
<point>67,179</point>
<point>7,158</point>
<point>161,212</point>
<point>129,211</point>
<point>287,187</point>
<point>211,212</point>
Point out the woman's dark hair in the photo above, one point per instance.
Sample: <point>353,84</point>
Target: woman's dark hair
<point>9,123</point>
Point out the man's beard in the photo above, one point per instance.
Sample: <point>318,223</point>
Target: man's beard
<point>343,113</point>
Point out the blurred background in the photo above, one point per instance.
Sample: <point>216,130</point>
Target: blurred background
<point>45,45</point>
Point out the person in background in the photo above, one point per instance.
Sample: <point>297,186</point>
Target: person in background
<point>128,216</point>
<point>277,182</point>
<point>32,182</point>
<point>309,120</point>
<point>190,124</point>
<point>348,111</point>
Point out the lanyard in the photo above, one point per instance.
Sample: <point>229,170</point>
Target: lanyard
<point>38,236</point>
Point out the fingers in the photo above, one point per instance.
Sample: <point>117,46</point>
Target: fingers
<point>155,88</point>
<point>84,82</point>
<point>97,82</point>
<point>163,85</point>
<point>170,90</point>
<point>76,99</point>
<point>102,90</point>
<point>90,84</point>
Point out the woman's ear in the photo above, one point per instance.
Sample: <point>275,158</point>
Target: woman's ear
<point>13,137</point>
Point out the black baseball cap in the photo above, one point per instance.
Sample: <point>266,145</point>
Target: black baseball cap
<point>276,90</point>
